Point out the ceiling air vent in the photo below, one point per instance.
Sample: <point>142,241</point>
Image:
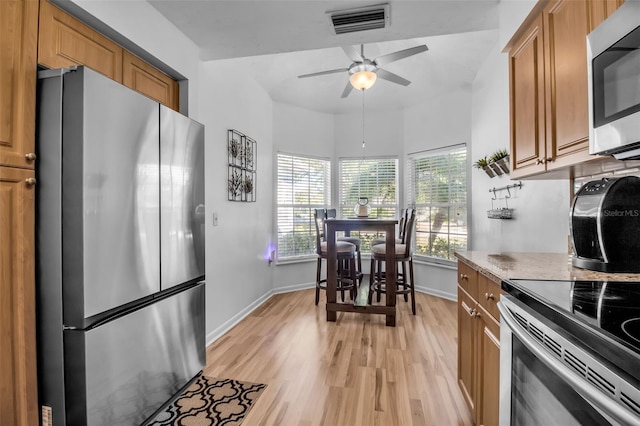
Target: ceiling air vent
<point>360,19</point>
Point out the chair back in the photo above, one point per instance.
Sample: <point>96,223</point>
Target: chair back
<point>402,223</point>
<point>331,213</point>
<point>319,215</point>
<point>409,232</point>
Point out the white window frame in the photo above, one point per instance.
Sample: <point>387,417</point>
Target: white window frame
<point>425,206</point>
<point>305,222</point>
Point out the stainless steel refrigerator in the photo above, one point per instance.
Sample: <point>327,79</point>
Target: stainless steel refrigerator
<point>119,250</point>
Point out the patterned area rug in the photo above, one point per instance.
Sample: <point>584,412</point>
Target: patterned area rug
<point>211,402</point>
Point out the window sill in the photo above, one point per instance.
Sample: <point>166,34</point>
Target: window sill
<point>432,261</point>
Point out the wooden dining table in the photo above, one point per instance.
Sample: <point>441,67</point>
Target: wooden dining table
<point>388,226</point>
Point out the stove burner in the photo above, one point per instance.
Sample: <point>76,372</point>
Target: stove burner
<point>631,327</point>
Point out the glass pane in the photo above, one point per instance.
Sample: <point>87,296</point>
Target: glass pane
<point>303,185</point>
<point>438,190</point>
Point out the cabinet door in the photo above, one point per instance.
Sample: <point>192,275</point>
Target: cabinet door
<point>468,279</point>
<point>526,83</point>
<point>64,41</point>
<point>18,46</point>
<point>467,350</point>
<point>140,76</point>
<point>18,386</point>
<point>488,294</point>
<point>599,10</point>
<point>489,372</point>
<point>566,25</point>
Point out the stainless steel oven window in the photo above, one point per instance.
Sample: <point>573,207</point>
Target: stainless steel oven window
<point>540,383</point>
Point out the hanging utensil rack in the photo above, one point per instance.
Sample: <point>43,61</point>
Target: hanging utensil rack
<point>504,212</point>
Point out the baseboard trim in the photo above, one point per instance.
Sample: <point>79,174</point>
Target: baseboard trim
<point>438,293</point>
<point>231,322</point>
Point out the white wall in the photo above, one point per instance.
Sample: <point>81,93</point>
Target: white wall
<point>439,122</point>
<point>541,208</point>
<point>238,275</point>
<point>299,131</point>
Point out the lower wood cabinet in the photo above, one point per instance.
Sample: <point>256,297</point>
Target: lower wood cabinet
<point>479,344</point>
<point>18,382</point>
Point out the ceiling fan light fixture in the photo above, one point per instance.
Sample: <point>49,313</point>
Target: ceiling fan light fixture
<point>363,80</point>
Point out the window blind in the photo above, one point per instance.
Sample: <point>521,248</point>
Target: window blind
<point>437,189</point>
<point>374,178</point>
<point>304,184</point>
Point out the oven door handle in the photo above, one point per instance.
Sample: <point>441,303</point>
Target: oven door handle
<point>598,399</point>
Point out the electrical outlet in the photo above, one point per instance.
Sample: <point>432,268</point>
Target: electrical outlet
<point>215,218</point>
<point>46,416</point>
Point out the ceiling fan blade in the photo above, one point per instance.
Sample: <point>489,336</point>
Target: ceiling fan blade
<point>348,88</point>
<point>324,72</point>
<point>394,78</point>
<point>353,54</point>
<point>400,54</point>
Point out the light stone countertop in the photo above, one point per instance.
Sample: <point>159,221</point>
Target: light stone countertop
<point>541,266</point>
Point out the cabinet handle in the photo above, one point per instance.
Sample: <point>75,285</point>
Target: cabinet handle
<point>548,160</point>
<point>464,277</point>
<point>475,313</point>
<point>539,161</point>
<point>30,156</point>
<point>468,309</point>
<point>30,181</point>
<point>489,296</point>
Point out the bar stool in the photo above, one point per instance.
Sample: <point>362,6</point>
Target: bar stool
<point>404,214</point>
<point>332,214</point>
<point>403,253</point>
<point>347,278</point>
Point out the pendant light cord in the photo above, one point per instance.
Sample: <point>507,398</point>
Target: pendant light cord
<point>363,124</point>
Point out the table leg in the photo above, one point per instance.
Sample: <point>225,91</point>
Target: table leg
<point>390,275</point>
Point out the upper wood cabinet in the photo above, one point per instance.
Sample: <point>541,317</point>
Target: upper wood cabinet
<point>18,46</point>
<point>140,76</point>
<point>18,382</point>
<point>548,86</point>
<point>64,41</point>
<point>526,99</point>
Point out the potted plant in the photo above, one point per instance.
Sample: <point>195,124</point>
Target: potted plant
<point>499,161</point>
<point>483,164</point>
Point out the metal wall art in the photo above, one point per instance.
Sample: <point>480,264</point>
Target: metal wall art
<point>241,176</point>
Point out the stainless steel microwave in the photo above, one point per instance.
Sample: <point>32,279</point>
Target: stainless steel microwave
<point>613,55</point>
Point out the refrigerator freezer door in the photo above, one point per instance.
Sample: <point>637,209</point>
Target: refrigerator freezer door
<point>110,197</point>
<point>121,372</point>
<point>181,199</point>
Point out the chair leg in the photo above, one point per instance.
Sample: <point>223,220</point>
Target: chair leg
<point>404,280</point>
<point>379,280</point>
<point>372,272</point>
<point>359,264</point>
<point>318,269</point>
<point>354,278</point>
<point>413,294</point>
<point>341,284</point>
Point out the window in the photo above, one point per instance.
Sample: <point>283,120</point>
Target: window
<point>438,190</point>
<point>376,179</point>
<point>304,184</point>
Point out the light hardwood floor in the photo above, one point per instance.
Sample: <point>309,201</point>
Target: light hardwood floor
<point>355,371</point>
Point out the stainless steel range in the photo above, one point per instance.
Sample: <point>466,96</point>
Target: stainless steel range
<point>570,353</point>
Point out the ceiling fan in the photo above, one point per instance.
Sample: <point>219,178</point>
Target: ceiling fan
<point>363,71</point>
